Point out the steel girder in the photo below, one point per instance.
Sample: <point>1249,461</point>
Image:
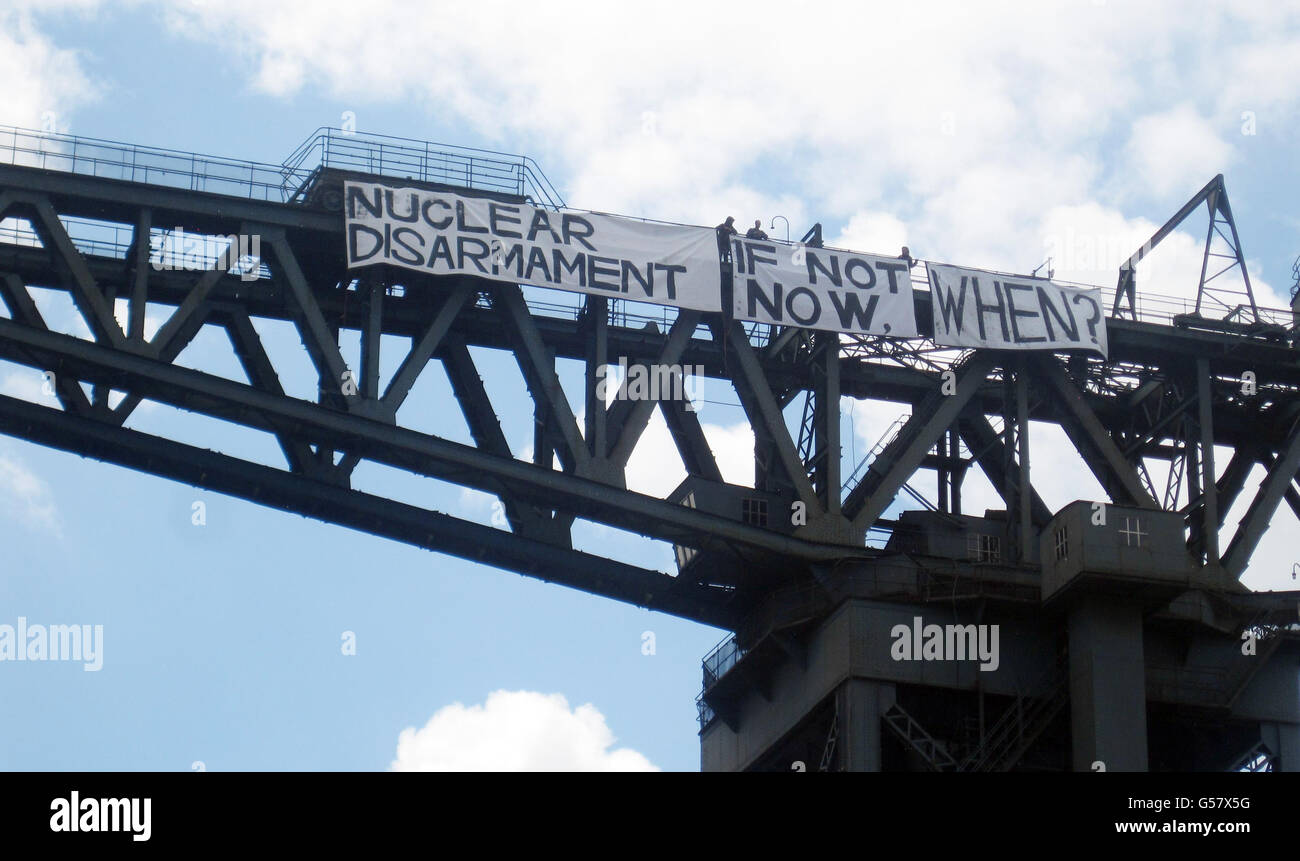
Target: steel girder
<point>431,530</point>
<point>445,317</point>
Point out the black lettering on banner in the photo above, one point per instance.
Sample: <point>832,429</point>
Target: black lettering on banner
<point>1096,313</point>
<point>482,253</point>
<point>856,263</point>
<point>814,263</point>
<point>951,312</point>
<point>1049,310</point>
<point>672,270</point>
<point>1016,314</point>
<point>754,296</point>
<point>446,233</point>
<point>647,282</point>
<point>441,251</point>
<point>499,213</point>
<point>892,269</point>
<point>440,224</point>
<point>464,226</point>
<point>597,266</point>
<point>356,195</point>
<point>569,225</point>
<point>752,254</point>
<point>542,221</point>
<point>355,231</point>
<point>399,241</point>
<point>851,312</point>
<point>737,255</point>
<point>982,308</point>
<point>410,217</point>
<point>794,315</point>
<point>537,260</point>
<point>516,256</point>
<point>577,267</point>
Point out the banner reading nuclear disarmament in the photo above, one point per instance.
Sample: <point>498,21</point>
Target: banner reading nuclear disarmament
<point>820,288</point>
<point>447,234</point>
<point>974,308</point>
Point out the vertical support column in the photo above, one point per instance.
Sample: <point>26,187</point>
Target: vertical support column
<point>543,431</point>
<point>330,394</point>
<point>1014,409</point>
<point>1107,685</point>
<point>1024,491</point>
<point>861,704</point>
<point>597,324</point>
<point>943,476</point>
<point>1192,465</point>
<point>826,425</point>
<point>1209,490</point>
<point>959,472</point>
<point>372,337</point>
<point>140,280</point>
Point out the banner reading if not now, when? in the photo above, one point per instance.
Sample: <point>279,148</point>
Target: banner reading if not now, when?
<point>780,283</point>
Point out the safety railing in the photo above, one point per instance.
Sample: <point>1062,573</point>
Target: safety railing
<point>404,158</point>
<point>467,167</point>
<point>133,163</point>
<point>724,656</point>
<point>168,247</point>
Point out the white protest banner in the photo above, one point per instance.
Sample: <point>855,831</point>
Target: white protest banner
<point>820,288</point>
<point>974,308</point>
<point>442,233</point>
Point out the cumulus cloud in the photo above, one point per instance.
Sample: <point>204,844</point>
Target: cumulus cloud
<point>42,82</point>
<point>879,232</point>
<point>1176,151</point>
<point>1010,112</point>
<point>29,385</point>
<point>515,731</point>
<point>25,496</point>
<point>655,467</point>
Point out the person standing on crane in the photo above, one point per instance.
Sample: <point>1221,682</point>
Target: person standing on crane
<point>726,230</point>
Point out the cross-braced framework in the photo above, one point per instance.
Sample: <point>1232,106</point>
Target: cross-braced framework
<point>1166,394</point>
<point>1150,422</point>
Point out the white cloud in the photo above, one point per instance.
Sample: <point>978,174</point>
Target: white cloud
<point>1010,112</point>
<point>153,320</point>
<point>1020,88</point>
<point>1275,557</point>
<point>25,495</point>
<point>29,385</point>
<point>1175,151</point>
<point>655,467</point>
<point>42,83</point>
<point>476,504</point>
<point>515,731</point>
<point>878,232</point>
<point>733,449</point>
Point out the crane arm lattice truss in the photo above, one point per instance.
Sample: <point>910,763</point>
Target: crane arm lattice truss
<point>1166,393</point>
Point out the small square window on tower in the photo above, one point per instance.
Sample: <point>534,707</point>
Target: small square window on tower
<point>754,511</point>
<point>1062,544</point>
<point>984,548</point>
<point>1132,532</point>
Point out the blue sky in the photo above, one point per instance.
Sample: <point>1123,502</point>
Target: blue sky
<point>990,138</point>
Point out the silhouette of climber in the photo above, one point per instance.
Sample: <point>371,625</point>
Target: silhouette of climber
<point>726,230</point>
<point>756,232</point>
